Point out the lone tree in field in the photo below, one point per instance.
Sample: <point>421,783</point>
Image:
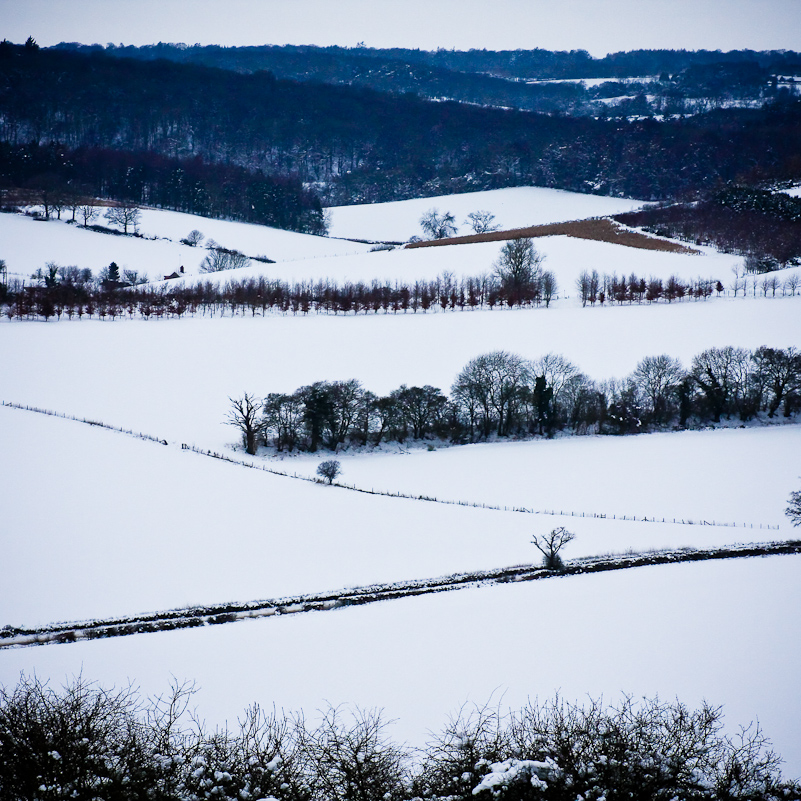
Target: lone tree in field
<point>438,226</point>
<point>793,510</point>
<point>549,546</point>
<point>246,415</point>
<point>329,470</point>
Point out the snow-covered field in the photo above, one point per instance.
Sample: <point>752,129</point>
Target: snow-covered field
<point>98,524</point>
<point>28,244</point>
<point>145,527</point>
<point>725,632</point>
<point>513,208</point>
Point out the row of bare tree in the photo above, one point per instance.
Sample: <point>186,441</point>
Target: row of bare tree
<point>501,394</point>
<point>74,293</point>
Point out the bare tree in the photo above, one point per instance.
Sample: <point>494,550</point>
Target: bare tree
<point>793,510</point>
<point>438,226</point>
<point>780,371</point>
<point>329,470</point>
<point>356,761</point>
<point>245,414</point>
<point>193,238</point>
<point>126,215</point>
<point>489,389</point>
<point>88,212</point>
<point>717,372</point>
<point>549,287</point>
<point>583,287</point>
<point>657,379</point>
<point>519,269</point>
<point>219,259</point>
<point>133,278</point>
<point>481,221</point>
<point>736,284</point>
<point>549,546</point>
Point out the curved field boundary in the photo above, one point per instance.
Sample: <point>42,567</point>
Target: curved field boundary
<point>387,494</point>
<point>11,637</point>
<point>599,229</point>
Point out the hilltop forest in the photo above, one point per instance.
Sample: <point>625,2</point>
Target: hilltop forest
<point>229,138</point>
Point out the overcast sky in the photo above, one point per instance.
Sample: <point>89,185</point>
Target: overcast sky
<point>599,26</point>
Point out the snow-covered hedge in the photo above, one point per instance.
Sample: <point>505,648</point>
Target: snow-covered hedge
<point>87,742</point>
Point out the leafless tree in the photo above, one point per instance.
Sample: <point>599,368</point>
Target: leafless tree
<point>133,278</point>
<point>780,372</point>
<point>583,287</point>
<point>329,470</point>
<point>558,372</point>
<point>193,238</point>
<point>219,259</point>
<point>125,215</point>
<point>88,212</point>
<point>245,414</point>
<point>718,372</point>
<point>549,287</point>
<point>355,761</point>
<point>793,510</point>
<point>549,546</point>
<point>481,222</point>
<point>737,284</point>
<point>657,379</point>
<point>519,267</point>
<point>490,386</point>
<point>438,225</point>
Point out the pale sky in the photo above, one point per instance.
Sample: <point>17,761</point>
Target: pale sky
<point>599,26</point>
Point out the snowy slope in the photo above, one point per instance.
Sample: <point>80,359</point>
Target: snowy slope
<point>28,244</point>
<point>566,257</point>
<point>103,524</point>
<point>513,208</point>
<point>726,632</point>
<point>685,475</point>
<point>133,526</point>
<point>173,378</point>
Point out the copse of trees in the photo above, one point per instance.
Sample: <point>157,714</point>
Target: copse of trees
<point>763,226</point>
<point>592,288</point>
<point>84,740</point>
<point>60,177</point>
<point>500,394</point>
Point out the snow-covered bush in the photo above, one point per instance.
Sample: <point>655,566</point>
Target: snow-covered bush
<point>84,742</point>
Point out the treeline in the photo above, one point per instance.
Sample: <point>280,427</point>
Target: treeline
<point>687,81</point>
<point>764,226</point>
<point>54,175</point>
<point>85,740</point>
<point>534,64</point>
<point>593,288</point>
<point>74,293</point>
<point>500,394</point>
<point>356,145</point>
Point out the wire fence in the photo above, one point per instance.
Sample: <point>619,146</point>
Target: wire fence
<point>688,521</point>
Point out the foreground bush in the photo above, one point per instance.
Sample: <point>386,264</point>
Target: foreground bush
<point>85,742</point>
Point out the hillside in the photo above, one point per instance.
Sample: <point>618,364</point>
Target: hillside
<point>177,134</point>
<point>102,523</point>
